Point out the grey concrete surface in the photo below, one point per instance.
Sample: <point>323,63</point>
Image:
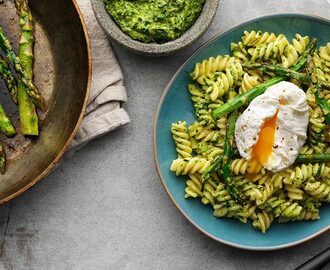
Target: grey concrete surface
<point>106,209</point>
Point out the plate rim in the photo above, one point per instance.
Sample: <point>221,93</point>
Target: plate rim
<point>160,105</point>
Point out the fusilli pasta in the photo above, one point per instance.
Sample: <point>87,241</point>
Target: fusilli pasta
<point>293,194</point>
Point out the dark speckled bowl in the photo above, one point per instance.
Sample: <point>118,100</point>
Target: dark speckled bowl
<point>154,49</point>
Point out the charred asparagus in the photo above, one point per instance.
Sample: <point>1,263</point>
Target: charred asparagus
<point>248,96</point>
<point>9,79</point>
<point>32,90</point>
<point>27,111</point>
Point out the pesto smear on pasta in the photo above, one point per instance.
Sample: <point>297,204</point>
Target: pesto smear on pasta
<point>154,20</point>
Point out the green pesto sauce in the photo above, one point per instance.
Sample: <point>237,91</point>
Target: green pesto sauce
<point>154,20</point>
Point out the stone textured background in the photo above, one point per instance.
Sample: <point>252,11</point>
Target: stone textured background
<point>106,209</point>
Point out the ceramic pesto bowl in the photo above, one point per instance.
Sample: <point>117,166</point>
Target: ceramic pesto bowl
<point>176,105</point>
<point>153,49</point>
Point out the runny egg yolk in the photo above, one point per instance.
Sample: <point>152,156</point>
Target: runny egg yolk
<point>263,148</point>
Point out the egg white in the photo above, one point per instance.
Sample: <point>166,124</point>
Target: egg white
<point>291,126</point>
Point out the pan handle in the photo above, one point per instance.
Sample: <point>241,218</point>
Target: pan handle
<point>317,262</point>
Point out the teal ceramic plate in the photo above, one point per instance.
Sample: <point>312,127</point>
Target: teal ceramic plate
<point>176,105</point>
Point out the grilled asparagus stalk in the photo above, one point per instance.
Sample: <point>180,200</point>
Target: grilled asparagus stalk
<point>281,71</point>
<point>9,79</point>
<point>6,125</point>
<point>27,110</point>
<point>248,96</point>
<point>313,158</point>
<point>227,155</point>
<point>32,90</point>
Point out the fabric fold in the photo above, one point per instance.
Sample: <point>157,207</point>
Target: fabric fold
<point>104,112</point>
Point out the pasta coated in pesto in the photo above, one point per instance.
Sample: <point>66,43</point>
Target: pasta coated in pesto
<point>293,194</point>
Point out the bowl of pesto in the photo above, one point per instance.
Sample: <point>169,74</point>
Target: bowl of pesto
<point>155,27</point>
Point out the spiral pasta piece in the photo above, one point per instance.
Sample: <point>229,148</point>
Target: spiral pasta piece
<point>250,209</point>
<point>245,186</point>
<point>322,63</point>
<point>209,192</point>
<point>221,194</point>
<point>258,178</point>
<point>326,180</point>
<point>326,95</point>
<point>242,166</point>
<point>317,121</point>
<point>282,208</point>
<point>208,151</point>
<point>279,178</point>
<point>309,215</point>
<point>323,73</point>
<point>254,38</point>
<point>289,56</point>
<point>257,193</point>
<point>204,114</point>
<point>262,193</point>
<point>268,51</point>
<point>325,52</point>
<point>263,221</point>
<point>226,206</point>
<point>239,51</point>
<point>181,139</point>
<point>201,105</point>
<point>318,190</point>
<point>316,129</point>
<point>219,83</point>
<point>197,95</point>
<point>304,215</point>
<point>258,74</point>
<point>294,50</point>
<point>307,150</point>
<point>304,172</point>
<point>189,165</point>
<point>194,186</point>
<point>222,125</point>
<point>248,83</point>
<point>202,133</point>
<point>204,108</point>
<point>294,193</point>
<point>300,43</point>
<point>310,203</point>
<point>211,65</point>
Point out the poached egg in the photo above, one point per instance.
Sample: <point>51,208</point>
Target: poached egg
<point>273,129</point>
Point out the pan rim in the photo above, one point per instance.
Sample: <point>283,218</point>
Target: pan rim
<point>57,159</point>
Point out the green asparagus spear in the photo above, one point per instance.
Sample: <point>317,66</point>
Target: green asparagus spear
<point>313,158</point>
<point>16,62</point>
<point>216,165</point>
<point>9,79</point>
<point>226,160</point>
<point>27,111</point>
<point>285,72</point>
<point>278,71</point>
<point>2,160</point>
<point>244,98</point>
<point>248,96</point>
<point>5,124</point>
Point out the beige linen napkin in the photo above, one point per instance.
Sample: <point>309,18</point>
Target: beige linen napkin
<point>104,112</point>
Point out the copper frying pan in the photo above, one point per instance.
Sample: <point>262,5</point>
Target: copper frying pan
<point>62,73</point>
